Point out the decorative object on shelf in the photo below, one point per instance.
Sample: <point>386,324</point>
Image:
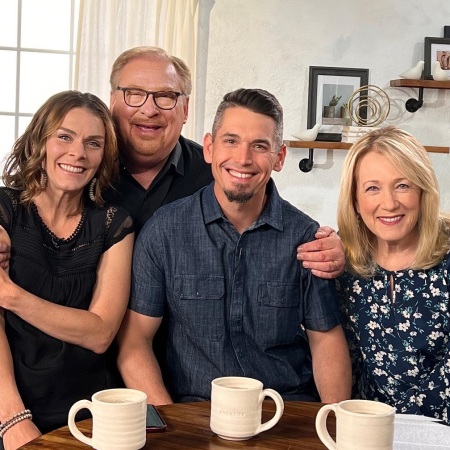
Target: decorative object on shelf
<point>326,85</point>
<point>369,106</point>
<point>440,74</point>
<point>436,49</point>
<point>308,135</point>
<point>447,31</point>
<point>415,73</point>
<point>353,133</point>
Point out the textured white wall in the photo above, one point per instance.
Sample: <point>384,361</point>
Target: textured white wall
<point>270,44</point>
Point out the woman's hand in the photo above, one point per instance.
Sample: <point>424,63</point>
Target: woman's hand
<point>20,434</point>
<point>9,291</point>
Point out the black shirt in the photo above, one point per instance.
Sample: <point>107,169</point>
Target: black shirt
<point>184,173</point>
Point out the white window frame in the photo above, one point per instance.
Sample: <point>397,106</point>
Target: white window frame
<point>17,114</point>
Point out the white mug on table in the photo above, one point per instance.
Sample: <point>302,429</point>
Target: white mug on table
<point>236,407</point>
<point>118,419</point>
<point>360,425</point>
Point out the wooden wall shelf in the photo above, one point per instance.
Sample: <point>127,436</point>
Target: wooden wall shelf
<point>347,145</point>
<point>412,105</point>
<point>429,84</point>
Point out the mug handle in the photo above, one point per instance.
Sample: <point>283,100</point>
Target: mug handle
<point>321,426</point>
<point>71,420</point>
<point>276,397</point>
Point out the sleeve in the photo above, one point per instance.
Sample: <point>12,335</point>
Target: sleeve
<point>8,202</point>
<point>320,303</point>
<point>148,286</point>
<point>352,341</point>
<point>118,225</point>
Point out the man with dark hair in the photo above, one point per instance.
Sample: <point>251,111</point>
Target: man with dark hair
<point>149,102</point>
<point>220,267</point>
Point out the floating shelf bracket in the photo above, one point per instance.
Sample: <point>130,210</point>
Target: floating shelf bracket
<point>306,164</point>
<point>412,105</point>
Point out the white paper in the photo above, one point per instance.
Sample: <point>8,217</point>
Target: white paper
<point>413,432</point>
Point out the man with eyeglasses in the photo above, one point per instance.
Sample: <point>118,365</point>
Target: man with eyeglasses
<point>219,267</point>
<point>149,102</point>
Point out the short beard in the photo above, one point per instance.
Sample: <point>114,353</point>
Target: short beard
<point>238,197</point>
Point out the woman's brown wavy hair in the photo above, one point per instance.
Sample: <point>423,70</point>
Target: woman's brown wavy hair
<point>23,166</point>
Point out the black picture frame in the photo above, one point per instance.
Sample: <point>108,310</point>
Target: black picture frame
<point>325,82</point>
<point>433,48</point>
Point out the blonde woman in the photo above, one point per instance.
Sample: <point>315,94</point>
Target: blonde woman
<point>394,294</point>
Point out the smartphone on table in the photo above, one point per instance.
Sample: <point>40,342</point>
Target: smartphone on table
<point>155,423</point>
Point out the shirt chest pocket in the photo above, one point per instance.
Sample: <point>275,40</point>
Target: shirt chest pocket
<point>279,318</point>
<point>200,301</point>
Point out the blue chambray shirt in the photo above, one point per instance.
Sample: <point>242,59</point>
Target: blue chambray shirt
<point>233,304</point>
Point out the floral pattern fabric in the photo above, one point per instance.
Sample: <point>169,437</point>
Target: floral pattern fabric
<point>397,325</point>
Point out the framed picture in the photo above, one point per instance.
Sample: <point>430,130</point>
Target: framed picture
<point>436,49</point>
<point>329,91</point>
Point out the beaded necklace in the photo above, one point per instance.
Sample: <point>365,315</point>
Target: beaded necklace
<point>57,241</point>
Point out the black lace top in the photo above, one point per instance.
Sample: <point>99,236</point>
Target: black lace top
<point>51,374</point>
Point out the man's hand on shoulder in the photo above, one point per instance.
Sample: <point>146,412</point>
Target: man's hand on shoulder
<point>324,256</point>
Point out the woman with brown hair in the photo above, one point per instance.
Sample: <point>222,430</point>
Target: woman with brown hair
<point>68,284</point>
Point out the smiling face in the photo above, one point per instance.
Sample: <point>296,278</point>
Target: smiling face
<point>148,134</point>
<point>74,151</point>
<point>389,204</point>
<point>243,155</point>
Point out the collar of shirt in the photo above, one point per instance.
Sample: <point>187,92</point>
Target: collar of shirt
<point>272,213</point>
<point>175,160</point>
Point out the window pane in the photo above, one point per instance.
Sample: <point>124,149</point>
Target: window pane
<point>46,24</point>
<point>8,23</point>
<point>6,137</point>
<point>41,75</point>
<point>23,123</point>
<point>8,80</point>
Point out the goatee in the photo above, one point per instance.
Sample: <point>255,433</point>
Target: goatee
<point>238,197</point>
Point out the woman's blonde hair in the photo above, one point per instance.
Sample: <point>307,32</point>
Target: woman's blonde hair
<point>23,166</point>
<point>403,151</point>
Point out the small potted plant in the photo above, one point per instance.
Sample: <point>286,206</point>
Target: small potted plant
<point>345,113</point>
<point>330,110</point>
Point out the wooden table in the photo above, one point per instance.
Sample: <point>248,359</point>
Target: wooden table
<point>188,428</point>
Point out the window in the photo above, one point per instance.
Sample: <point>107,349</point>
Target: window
<point>37,57</point>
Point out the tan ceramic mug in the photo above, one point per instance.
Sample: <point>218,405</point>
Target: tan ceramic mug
<point>236,407</point>
<point>360,424</point>
<point>118,419</point>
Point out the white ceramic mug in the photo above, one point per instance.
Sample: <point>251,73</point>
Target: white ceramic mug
<point>118,419</point>
<point>360,424</point>
<point>236,407</point>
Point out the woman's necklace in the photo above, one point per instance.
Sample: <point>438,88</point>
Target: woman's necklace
<point>57,241</point>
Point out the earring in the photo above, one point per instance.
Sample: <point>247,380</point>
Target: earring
<point>44,178</point>
<point>91,189</point>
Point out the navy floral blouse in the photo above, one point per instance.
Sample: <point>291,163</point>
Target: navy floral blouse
<point>397,325</point>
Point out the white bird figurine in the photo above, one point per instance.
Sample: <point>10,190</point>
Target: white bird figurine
<point>440,74</point>
<point>415,73</point>
<point>308,135</point>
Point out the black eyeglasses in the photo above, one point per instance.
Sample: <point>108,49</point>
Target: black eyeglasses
<point>136,97</point>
